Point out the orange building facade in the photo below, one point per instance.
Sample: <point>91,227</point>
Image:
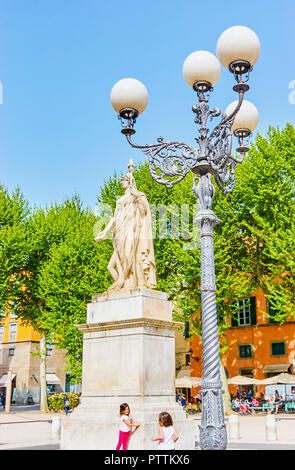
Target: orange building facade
<point>19,347</point>
<point>260,347</point>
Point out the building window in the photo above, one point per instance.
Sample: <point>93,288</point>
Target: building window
<point>278,348</point>
<point>12,331</point>
<point>272,311</point>
<point>13,308</point>
<point>245,314</point>
<point>247,372</point>
<point>1,332</point>
<point>244,317</point>
<point>245,351</point>
<point>49,348</point>
<point>11,352</point>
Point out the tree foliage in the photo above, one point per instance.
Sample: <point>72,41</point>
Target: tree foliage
<point>14,210</point>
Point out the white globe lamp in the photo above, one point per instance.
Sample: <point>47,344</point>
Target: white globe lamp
<point>238,49</point>
<point>246,118</point>
<point>201,67</point>
<point>129,95</point>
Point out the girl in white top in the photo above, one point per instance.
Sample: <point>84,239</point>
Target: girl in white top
<point>167,435</point>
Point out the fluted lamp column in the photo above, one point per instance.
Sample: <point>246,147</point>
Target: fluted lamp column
<point>238,49</point>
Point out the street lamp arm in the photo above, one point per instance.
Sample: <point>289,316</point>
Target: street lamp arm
<point>168,160</point>
<point>232,115</point>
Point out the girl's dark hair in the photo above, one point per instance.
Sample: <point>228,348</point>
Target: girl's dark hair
<point>123,407</point>
<point>165,419</point>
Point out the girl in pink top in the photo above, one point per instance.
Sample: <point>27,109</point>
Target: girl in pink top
<point>126,425</point>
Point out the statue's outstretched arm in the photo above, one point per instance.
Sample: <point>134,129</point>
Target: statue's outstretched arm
<point>102,235</point>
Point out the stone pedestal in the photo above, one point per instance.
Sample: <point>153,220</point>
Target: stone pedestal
<point>128,357</point>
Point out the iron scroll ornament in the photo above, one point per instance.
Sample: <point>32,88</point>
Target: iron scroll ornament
<point>170,162</point>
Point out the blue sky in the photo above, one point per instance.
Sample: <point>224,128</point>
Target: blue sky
<point>59,59</point>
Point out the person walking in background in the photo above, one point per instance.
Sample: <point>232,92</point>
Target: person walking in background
<point>183,401</point>
<point>67,405</point>
<point>167,435</point>
<point>126,425</point>
<point>2,399</point>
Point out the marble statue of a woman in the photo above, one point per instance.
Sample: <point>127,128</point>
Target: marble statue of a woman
<point>132,264</point>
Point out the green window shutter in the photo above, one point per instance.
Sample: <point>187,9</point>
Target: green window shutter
<point>253,310</point>
<point>272,310</point>
<point>186,330</point>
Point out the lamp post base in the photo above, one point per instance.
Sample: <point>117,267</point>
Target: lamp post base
<point>213,438</point>
<point>212,430</point>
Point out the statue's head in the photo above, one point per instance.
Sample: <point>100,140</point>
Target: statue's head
<point>127,181</point>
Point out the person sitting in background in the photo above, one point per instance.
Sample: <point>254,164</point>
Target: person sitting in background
<point>244,395</point>
<point>236,404</point>
<point>244,409</point>
<point>279,404</point>
<point>254,402</point>
<point>198,400</point>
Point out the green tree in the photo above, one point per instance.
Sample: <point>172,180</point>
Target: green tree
<point>75,270</point>
<point>46,230</point>
<point>14,210</point>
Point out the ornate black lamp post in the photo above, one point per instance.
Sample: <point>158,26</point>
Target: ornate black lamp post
<point>238,49</point>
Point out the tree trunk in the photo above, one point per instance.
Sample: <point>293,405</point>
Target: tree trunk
<point>226,395</point>
<point>43,385</point>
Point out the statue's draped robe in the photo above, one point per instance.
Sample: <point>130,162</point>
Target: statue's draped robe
<point>133,242</point>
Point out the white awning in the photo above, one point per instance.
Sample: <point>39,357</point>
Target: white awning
<point>3,380</point>
<point>52,379</point>
<point>276,368</point>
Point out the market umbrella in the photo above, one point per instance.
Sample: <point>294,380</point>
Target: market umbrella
<point>242,380</point>
<point>185,380</point>
<point>282,378</point>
